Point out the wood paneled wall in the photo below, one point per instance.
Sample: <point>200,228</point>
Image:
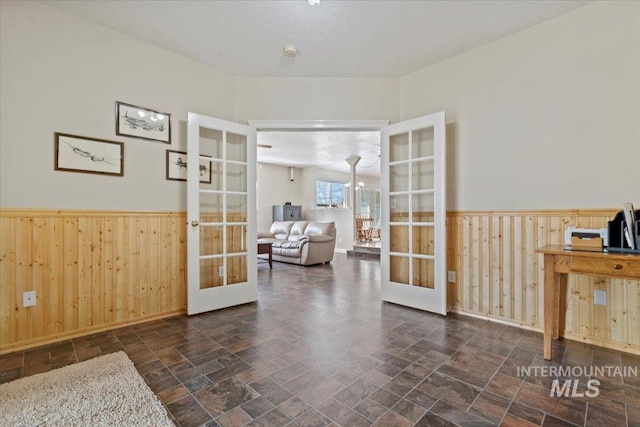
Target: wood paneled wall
<point>500,276</point>
<point>98,270</point>
<point>90,270</point>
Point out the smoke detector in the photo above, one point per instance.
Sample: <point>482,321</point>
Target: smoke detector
<point>290,50</point>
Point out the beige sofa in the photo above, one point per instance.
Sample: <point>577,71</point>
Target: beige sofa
<point>301,242</point>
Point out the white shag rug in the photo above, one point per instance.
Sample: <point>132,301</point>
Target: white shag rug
<point>105,391</point>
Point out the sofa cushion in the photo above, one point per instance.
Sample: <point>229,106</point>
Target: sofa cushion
<point>288,248</point>
<point>281,229</point>
<point>289,244</point>
<point>314,228</point>
<point>297,230</point>
<point>320,238</point>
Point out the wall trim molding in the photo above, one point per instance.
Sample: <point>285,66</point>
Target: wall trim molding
<point>312,125</point>
<point>494,319</point>
<point>540,212</point>
<point>36,342</point>
<point>63,213</point>
<point>41,212</point>
<point>628,348</point>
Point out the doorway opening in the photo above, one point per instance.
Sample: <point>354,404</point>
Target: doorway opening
<point>296,158</point>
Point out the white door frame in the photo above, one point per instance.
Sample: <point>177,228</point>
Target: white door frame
<point>373,125</point>
<point>322,125</point>
<point>313,125</point>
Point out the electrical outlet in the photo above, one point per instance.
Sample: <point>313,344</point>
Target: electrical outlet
<point>221,271</point>
<point>29,299</point>
<point>452,277</point>
<point>599,297</point>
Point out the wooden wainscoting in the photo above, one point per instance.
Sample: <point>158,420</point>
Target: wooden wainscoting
<point>500,276</point>
<point>96,270</point>
<point>91,271</point>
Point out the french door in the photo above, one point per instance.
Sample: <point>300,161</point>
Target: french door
<point>221,214</point>
<point>413,249</point>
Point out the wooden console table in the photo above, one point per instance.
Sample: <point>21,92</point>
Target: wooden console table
<point>558,263</point>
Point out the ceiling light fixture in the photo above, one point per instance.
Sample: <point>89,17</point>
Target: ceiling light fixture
<point>313,2</point>
<point>290,50</point>
<point>359,185</point>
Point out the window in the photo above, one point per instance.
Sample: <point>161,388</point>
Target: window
<point>330,194</point>
<point>369,203</point>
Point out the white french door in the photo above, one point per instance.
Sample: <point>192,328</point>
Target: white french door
<point>221,214</point>
<point>413,247</point>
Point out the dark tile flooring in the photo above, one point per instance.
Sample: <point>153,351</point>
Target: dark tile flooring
<point>320,349</point>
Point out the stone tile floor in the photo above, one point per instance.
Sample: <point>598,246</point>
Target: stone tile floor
<point>320,349</point>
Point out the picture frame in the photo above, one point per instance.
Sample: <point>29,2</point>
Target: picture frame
<point>177,167</point>
<point>74,153</point>
<point>142,123</point>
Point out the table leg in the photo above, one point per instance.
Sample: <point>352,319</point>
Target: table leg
<point>564,278</point>
<point>551,305</point>
<point>559,286</point>
<point>270,258</point>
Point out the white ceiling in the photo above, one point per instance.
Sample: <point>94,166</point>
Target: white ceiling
<point>323,149</point>
<point>359,38</point>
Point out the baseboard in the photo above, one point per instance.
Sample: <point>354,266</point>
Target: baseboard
<point>494,319</point>
<point>615,345</point>
<point>339,251</point>
<point>37,342</point>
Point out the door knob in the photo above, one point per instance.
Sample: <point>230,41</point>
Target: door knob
<point>194,223</point>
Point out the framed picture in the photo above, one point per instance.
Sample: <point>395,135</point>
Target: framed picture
<point>139,122</point>
<point>177,167</point>
<point>75,153</point>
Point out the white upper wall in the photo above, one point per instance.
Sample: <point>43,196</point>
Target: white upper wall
<point>276,188</point>
<point>545,118</point>
<point>61,73</point>
<point>317,99</point>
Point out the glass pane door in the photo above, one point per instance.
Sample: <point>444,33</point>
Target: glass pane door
<point>221,209</point>
<point>413,212</point>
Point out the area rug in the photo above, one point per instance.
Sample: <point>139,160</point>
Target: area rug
<point>105,391</point>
